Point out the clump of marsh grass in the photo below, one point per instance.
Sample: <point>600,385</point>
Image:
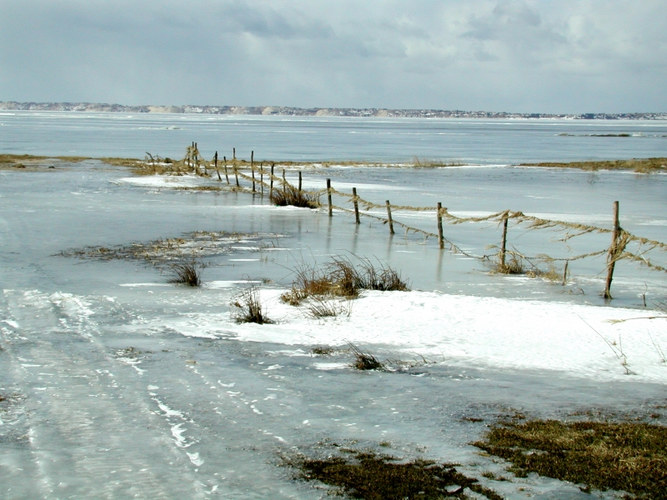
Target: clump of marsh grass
<point>249,308</point>
<point>321,307</point>
<point>512,266</point>
<point>365,361</point>
<point>186,273</point>
<point>294,197</point>
<point>369,475</point>
<point>627,456</point>
<point>323,350</point>
<point>341,278</point>
<point>382,278</point>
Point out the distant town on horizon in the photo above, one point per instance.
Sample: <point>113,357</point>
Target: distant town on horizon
<point>297,111</point>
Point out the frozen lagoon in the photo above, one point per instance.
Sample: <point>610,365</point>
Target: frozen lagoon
<point>118,384</point>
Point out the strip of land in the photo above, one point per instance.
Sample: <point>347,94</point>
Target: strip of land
<point>32,162</point>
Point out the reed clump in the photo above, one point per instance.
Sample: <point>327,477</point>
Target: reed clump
<point>512,266</point>
<point>365,361</point>
<point>323,307</point>
<point>186,273</point>
<point>341,278</point>
<point>291,196</point>
<point>249,308</point>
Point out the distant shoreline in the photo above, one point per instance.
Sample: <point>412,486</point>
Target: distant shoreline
<point>30,162</point>
<point>296,111</point>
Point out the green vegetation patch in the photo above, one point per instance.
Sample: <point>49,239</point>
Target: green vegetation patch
<point>367,475</point>
<point>630,457</point>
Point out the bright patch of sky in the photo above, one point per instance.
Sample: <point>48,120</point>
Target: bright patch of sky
<point>494,55</point>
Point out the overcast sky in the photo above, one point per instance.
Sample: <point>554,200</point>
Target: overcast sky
<point>494,55</point>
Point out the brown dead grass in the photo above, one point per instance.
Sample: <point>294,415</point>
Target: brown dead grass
<point>639,165</point>
<point>629,457</point>
<point>368,475</point>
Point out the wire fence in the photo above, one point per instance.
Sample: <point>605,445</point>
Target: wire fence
<point>262,180</point>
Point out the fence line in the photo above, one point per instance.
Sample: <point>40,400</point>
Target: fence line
<point>615,252</point>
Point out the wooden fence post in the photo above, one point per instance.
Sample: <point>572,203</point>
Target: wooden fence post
<point>389,219</point>
<point>261,177</point>
<point>224,159</point>
<point>252,169</point>
<point>215,160</point>
<point>273,166</point>
<point>236,173</point>
<point>441,240</point>
<point>284,183</point>
<point>355,200</point>
<point>612,254</point>
<point>503,245</point>
<point>329,197</point>
<point>300,181</point>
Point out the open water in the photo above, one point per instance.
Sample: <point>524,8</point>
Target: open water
<point>330,138</point>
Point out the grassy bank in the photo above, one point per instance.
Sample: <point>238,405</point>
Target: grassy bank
<point>640,165</point>
<point>142,166</point>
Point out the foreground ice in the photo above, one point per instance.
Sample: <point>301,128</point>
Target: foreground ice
<point>157,392</point>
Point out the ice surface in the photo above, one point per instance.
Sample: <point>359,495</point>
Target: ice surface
<point>118,384</point>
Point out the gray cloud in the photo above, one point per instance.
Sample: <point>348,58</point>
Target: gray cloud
<point>518,55</point>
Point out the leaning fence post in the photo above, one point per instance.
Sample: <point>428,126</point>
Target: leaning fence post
<point>329,197</point>
<point>441,240</point>
<point>215,159</point>
<point>224,159</point>
<point>389,219</point>
<point>503,245</point>
<point>612,254</point>
<point>355,200</point>
<point>236,173</point>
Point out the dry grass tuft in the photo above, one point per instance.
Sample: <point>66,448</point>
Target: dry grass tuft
<point>294,197</point>
<point>365,361</point>
<point>186,273</point>
<point>629,457</point>
<point>321,307</point>
<point>340,278</point>
<point>249,308</point>
<point>513,266</point>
